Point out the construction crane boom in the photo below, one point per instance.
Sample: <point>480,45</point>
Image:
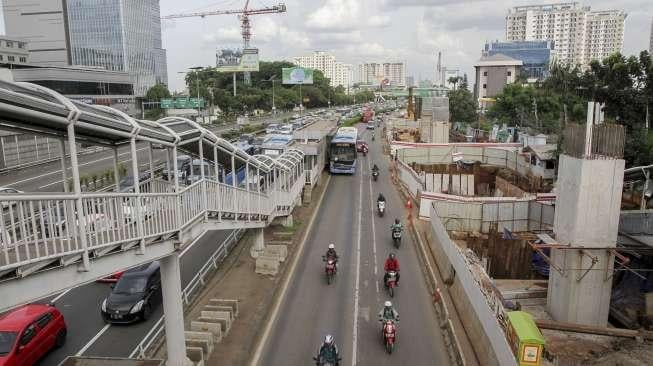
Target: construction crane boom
<point>280,8</point>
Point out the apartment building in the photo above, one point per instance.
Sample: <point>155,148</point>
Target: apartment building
<point>13,51</point>
<point>580,35</point>
<point>338,73</point>
<point>374,73</point>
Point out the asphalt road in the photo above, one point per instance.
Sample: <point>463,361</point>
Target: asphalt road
<point>86,329</point>
<point>347,308</point>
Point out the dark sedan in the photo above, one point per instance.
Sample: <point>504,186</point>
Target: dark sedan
<point>134,295</point>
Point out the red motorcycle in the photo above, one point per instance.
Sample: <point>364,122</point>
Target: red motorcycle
<point>330,269</point>
<point>389,335</point>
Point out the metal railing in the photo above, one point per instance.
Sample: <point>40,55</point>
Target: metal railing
<point>188,293</point>
<point>38,227</point>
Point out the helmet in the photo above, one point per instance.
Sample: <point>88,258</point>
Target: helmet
<point>332,246</point>
<point>397,221</point>
<point>392,256</point>
<point>387,304</point>
<point>328,339</point>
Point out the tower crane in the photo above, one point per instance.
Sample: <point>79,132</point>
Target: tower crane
<point>243,16</point>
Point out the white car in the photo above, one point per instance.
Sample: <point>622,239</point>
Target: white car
<point>8,190</point>
<point>285,130</point>
<point>271,128</point>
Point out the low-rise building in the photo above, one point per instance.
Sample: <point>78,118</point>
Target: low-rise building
<point>536,56</point>
<point>13,51</point>
<point>542,160</point>
<point>493,73</point>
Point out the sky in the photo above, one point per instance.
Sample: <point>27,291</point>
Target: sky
<point>355,31</point>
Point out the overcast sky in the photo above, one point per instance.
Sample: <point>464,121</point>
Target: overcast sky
<point>365,30</point>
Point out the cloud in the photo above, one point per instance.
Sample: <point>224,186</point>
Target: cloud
<point>346,15</point>
<point>223,35</point>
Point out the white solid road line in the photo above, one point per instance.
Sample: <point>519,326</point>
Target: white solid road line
<point>60,295</point>
<point>90,343</point>
<point>354,337</point>
<point>155,162</point>
<point>256,359</point>
<point>70,168</point>
<point>373,224</point>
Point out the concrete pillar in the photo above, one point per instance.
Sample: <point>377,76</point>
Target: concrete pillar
<point>258,243</point>
<point>173,309</point>
<point>587,212</point>
<point>116,170</point>
<point>287,221</point>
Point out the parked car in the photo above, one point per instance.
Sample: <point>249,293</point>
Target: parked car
<point>285,130</point>
<point>135,294</point>
<point>8,190</point>
<point>29,332</point>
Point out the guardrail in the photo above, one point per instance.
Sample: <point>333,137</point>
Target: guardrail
<point>148,342</point>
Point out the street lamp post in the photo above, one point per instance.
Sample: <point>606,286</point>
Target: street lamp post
<point>197,71</point>
<point>272,80</point>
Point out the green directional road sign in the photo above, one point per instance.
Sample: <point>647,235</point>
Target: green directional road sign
<point>167,103</point>
<point>182,103</point>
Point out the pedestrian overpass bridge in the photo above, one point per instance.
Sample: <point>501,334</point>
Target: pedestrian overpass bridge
<point>51,242</point>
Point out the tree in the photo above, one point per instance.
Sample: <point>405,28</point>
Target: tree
<point>462,107</point>
<point>155,94</point>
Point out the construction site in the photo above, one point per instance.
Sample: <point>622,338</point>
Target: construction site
<point>546,259</point>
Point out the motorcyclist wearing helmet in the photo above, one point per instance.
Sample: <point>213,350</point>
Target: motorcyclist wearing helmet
<point>328,351</point>
<point>381,198</point>
<point>388,312</point>
<point>375,168</point>
<point>397,225</point>
<point>331,252</point>
<point>391,264</point>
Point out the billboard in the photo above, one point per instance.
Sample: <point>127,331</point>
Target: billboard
<point>229,60</point>
<point>297,75</point>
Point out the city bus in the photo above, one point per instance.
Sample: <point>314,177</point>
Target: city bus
<point>342,151</point>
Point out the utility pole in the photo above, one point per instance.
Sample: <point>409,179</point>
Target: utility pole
<point>197,71</point>
<point>537,121</point>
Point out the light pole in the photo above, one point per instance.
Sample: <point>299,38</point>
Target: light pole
<point>272,80</point>
<point>197,71</point>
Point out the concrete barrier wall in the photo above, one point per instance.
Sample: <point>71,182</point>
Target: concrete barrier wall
<point>413,182</point>
<point>480,322</point>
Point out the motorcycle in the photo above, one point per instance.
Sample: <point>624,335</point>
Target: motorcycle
<point>381,207</point>
<point>330,269</point>
<point>372,137</point>
<point>323,361</point>
<point>375,175</point>
<point>391,283</point>
<point>364,152</point>
<point>396,237</point>
<point>389,335</point>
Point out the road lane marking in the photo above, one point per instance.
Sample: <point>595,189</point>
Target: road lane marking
<point>70,168</point>
<point>358,274</point>
<point>286,282</point>
<point>155,162</point>
<point>60,295</point>
<point>373,224</point>
<point>95,338</point>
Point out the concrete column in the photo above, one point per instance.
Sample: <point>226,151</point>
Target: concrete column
<point>258,243</point>
<point>137,190</point>
<point>79,204</point>
<point>116,170</point>
<point>173,309</point>
<point>587,212</point>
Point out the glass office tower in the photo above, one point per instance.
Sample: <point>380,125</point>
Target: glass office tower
<point>535,55</point>
<point>118,35</point>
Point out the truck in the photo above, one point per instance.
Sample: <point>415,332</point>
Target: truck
<point>368,114</point>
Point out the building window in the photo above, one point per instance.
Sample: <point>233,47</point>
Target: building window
<point>509,73</point>
<point>484,73</point>
<point>484,86</point>
<point>21,45</point>
<point>11,58</point>
<point>10,44</point>
<point>22,59</point>
<point>1,57</point>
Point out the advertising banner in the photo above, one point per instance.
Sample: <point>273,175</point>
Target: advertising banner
<point>297,75</point>
<point>229,60</point>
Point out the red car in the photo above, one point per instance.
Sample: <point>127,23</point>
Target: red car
<point>360,145</point>
<point>29,332</point>
<point>112,278</point>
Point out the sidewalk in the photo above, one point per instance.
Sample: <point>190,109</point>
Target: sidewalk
<point>237,280</point>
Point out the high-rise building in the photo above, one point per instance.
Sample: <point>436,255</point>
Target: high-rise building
<point>535,55</point>
<point>650,47</point>
<point>374,73</point>
<point>111,34</point>
<point>410,81</point>
<point>338,73</point>
<point>493,73</point>
<point>579,34</point>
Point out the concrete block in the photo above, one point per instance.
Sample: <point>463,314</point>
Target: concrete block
<point>195,354</point>
<point>205,345</point>
<point>198,335</point>
<point>226,302</point>
<point>221,317</point>
<point>267,265</point>
<point>211,327</point>
<point>276,250</point>
<point>220,308</point>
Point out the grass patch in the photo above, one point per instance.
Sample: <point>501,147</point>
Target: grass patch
<point>352,121</point>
